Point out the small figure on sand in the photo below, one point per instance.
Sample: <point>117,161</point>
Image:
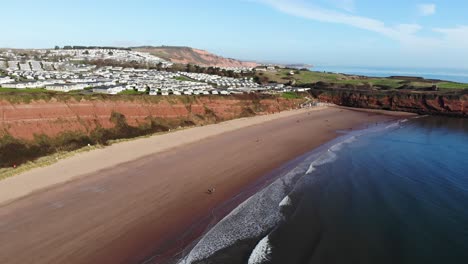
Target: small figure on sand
<point>211,190</point>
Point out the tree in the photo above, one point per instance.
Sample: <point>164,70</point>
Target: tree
<point>159,66</point>
<point>57,47</point>
<point>110,53</point>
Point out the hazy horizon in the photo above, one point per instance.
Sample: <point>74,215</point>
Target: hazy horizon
<point>429,34</point>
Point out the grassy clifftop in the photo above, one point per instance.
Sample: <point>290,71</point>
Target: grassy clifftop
<point>304,78</point>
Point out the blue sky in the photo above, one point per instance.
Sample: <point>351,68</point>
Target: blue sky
<point>401,33</point>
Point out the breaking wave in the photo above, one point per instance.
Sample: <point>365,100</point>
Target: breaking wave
<point>261,252</point>
<point>330,155</point>
<point>286,202</point>
<point>257,217</point>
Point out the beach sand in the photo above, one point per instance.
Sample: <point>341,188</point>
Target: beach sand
<point>122,203</point>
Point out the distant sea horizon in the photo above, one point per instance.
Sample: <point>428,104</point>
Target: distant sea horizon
<point>454,75</point>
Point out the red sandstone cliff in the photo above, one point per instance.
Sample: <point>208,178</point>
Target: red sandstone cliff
<point>56,115</point>
<point>434,103</point>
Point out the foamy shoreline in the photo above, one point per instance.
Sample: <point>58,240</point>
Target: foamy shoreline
<point>142,207</point>
<point>264,210</point>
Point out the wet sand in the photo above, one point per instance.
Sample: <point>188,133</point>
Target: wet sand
<point>125,212</point>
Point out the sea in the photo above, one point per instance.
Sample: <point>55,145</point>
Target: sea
<point>454,75</point>
<point>390,193</point>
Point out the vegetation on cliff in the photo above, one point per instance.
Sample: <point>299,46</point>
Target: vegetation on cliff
<point>15,150</point>
<point>444,102</point>
<point>308,78</point>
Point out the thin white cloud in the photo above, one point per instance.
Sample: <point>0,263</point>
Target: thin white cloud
<point>401,32</point>
<point>446,44</point>
<point>347,5</point>
<point>455,37</point>
<point>427,9</point>
<point>407,35</point>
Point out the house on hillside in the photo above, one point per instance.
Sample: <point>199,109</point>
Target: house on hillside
<point>66,87</point>
<point>6,80</point>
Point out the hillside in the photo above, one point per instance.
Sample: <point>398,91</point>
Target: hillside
<point>312,78</point>
<point>398,93</point>
<point>186,55</point>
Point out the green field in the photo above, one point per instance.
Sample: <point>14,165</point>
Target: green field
<point>452,85</point>
<point>15,90</point>
<point>312,77</point>
<point>291,95</point>
<point>309,77</point>
<point>132,92</point>
<point>304,77</point>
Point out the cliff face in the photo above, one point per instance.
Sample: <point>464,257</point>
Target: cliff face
<point>433,103</point>
<point>54,116</point>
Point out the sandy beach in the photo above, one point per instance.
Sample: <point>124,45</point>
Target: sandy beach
<point>121,203</point>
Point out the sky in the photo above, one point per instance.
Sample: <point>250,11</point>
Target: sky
<point>396,33</point>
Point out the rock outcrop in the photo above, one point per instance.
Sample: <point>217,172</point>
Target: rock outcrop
<point>450,103</point>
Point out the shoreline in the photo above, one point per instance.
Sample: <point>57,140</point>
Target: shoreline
<point>265,185</point>
<point>11,187</point>
<point>130,212</point>
<point>184,242</point>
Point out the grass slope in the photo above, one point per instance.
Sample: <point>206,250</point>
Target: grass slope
<point>310,77</point>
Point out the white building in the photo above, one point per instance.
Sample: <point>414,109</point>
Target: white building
<point>4,80</point>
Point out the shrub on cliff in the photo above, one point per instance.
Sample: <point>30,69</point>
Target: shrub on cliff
<point>119,120</point>
<point>247,112</point>
<point>71,140</point>
<point>101,136</point>
<point>15,151</point>
<point>12,150</point>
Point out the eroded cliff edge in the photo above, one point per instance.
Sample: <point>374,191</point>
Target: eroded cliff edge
<point>449,103</point>
<point>58,114</point>
<point>39,125</point>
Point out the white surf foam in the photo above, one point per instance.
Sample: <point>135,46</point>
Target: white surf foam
<point>260,213</point>
<point>393,125</point>
<point>252,218</point>
<point>327,157</point>
<point>286,202</point>
<point>330,155</point>
<point>397,124</point>
<point>261,252</point>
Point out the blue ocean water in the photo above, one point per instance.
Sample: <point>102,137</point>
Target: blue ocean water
<point>395,196</point>
<point>391,193</point>
<point>454,75</point>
